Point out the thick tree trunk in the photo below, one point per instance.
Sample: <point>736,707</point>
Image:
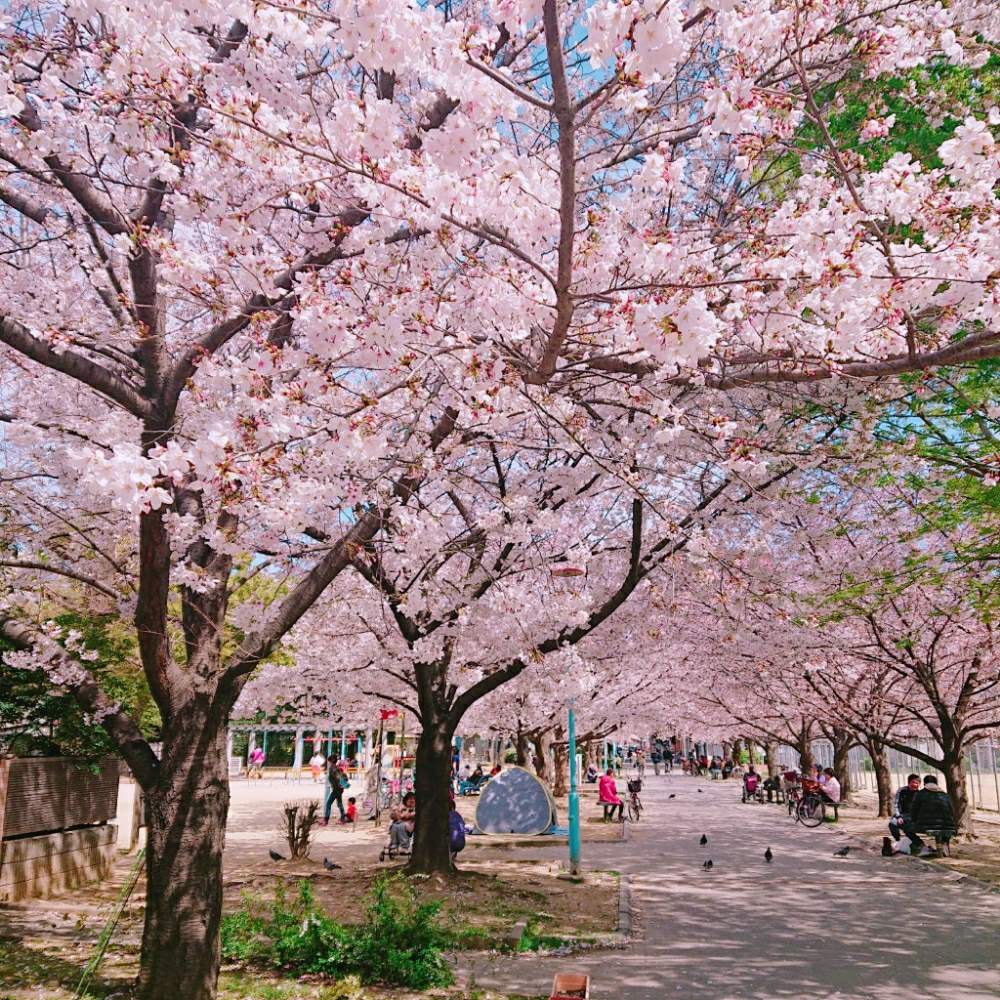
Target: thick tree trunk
<point>771,755</point>
<point>953,766</point>
<point>521,748</point>
<point>543,763</point>
<point>804,746</point>
<point>883,777</point>
<point>842,742</point>
<point>187,822</point>
<point>431,844</point>
<point>560,765</point>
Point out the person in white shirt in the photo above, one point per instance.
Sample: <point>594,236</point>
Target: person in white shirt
<point>829,787</point>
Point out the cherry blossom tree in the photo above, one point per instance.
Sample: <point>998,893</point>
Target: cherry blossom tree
<point>274,273</point>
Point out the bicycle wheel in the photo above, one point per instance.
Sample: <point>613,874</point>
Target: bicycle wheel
<point>633,810</point>
<point>811,811</point>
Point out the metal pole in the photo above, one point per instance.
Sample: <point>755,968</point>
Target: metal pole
<point>993,767</point>
<point>378,772</point>
<point>574,800</point>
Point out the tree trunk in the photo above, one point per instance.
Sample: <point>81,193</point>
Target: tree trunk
<point>842,742</point>
<point>186,813</point>
<point>806,759</point>
<point>543,763</point>
<point>560,765</point>
<point>521,747</point>
<point>883,777</point>
<point>953,766</point>
<point>771,756</point>
<point>431,852</point>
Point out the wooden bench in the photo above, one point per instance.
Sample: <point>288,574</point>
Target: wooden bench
<point>942,840</point>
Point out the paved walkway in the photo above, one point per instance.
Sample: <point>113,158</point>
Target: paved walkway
<point>807,925</point>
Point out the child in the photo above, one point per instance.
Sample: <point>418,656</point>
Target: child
<point>351,812</point>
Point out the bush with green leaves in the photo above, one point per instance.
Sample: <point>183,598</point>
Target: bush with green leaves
<point>400,942</point>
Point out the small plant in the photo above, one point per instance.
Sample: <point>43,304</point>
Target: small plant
<point>300,818</point>
<point>401,942</point>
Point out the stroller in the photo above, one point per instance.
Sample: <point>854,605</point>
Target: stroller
<point>391,850</point>
<point>753,788</point>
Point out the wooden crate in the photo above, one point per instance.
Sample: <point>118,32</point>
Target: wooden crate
<point>570,986</point>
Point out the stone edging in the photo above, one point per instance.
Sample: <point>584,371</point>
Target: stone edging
<point>619,938</point>
<point>624,931</point>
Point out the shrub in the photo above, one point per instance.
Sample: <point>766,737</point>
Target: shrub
<point>400,943</point>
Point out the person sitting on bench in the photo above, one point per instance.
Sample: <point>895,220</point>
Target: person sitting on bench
<point>607,795</point>
<point>903,806</point>
<point>931,812</point>
<point>829,787</point>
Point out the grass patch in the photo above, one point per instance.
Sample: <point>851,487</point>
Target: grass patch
<point>399,943</point>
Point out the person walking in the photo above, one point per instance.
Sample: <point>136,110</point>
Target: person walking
<point>336,782</point>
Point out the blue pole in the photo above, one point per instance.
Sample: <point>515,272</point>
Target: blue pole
<point>343,744</point>
<point>574,800</point>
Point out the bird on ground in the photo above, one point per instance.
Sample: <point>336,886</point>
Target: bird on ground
<point>329,865</point>
<point>275,856</point>
<point>768,855</point>
<point>707,865</point>
<point>843,852</point>
<point>672,795</point>
<point>699,791</point>
<point>703,841</point>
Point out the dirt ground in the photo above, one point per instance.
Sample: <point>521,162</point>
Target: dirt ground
<point>481,902</point>
<point>978,857</point>
<point>45,944</point>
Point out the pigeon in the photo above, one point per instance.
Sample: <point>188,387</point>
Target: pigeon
<point>329,865</point>
<point>768,855</point>
<point>843,852</point>
<point>707,865</point>
<point>703,841</point>
<point>671,796</point>
<point>275,856</point>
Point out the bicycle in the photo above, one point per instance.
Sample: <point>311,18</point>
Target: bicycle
<point>634,802</point>
<point>812,810</point>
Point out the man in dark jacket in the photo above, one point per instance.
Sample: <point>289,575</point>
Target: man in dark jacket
<point>931,810</point>
<point>904,805</point>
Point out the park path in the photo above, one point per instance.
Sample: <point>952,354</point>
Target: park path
<point>807,925</point>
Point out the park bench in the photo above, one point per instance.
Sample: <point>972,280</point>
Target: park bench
<point>942,840</point>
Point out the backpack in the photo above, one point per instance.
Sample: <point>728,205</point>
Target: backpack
<point>456,831</point>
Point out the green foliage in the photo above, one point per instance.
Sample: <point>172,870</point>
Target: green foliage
<point>928,102</point>
<point>400,942</point>
<point>35,718</point>
<point>950,421</point>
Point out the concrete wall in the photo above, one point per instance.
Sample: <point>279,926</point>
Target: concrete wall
<point>50,863</point>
